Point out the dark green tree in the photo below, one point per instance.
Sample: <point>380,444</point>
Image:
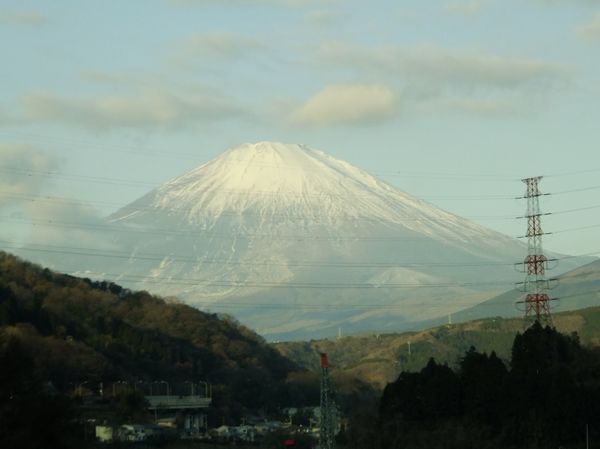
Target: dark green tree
<point>483,379</point>
<point>30,416</point>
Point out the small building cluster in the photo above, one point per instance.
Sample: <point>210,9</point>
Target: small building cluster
<point>171,411</point>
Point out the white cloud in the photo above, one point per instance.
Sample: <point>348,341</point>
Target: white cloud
<point>434,79</point>
<point>229,46</point>
<point>22,18</point>
<point>149,108</point>
<point>322,18</point>
<point>37,217</point>
<point>569,2</point>
<point>22,172</point>
<point>590,30</point>
<point>435,64</point>
<point>246,2</point>
<point>467,8</point>
<point>481,107</point>
<point>111,78</point>
<point>6,119</point>
<point>62,223</point>
<point>347,104</point>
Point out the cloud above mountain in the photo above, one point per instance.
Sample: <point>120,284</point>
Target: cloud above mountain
<point>591,29</point>
<point>341,104</point>
<point>148,108</point>
<point>468,8</point>
<point>431,78</point>
<point>23,171</point>
<point>22,18</point>
<point>247,2</point>
<point>60,223</point>
<point>226,46</point>
<point>460,69</point>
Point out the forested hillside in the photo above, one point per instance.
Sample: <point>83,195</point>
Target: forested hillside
<point>60,334</point>
<point>78,330</point>
<point>545,397</point>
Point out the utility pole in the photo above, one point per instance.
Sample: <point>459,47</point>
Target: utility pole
<point>587,436</point>
<point>535,286</point>
<point>327,428</point>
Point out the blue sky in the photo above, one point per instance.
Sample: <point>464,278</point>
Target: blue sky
<point>452,101</point>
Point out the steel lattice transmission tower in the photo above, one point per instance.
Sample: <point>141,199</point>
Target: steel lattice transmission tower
<point>535,286</point>
<point>327,428</point>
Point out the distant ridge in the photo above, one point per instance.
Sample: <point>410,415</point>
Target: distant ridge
<point>577,289</point>
<point>379,358</point>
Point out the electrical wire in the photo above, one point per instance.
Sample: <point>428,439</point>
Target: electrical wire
<point>76,145</point>
<point>172,280</point>
<point>201,233</point>
<point>580,228</point>
<point>121,181</point>
<point>97,252</point>
<point>61,200</point>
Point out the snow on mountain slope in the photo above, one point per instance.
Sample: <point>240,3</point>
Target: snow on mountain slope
<point>296,184</point>
<point>296,243</point>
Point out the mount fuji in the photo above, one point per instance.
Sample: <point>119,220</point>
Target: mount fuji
<point>297,244</point>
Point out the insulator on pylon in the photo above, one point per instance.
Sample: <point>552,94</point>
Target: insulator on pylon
<point>536,263</point>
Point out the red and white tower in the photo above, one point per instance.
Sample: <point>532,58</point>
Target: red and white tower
<point>327,428</point>
<point>535,286</point>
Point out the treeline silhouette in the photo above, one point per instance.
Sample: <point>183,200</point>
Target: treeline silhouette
<point>543,398</point>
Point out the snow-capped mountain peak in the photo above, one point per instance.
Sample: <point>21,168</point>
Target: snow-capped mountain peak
<point>273,178</point>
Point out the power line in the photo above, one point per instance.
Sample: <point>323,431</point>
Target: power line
<point>77,144</point>
<point>197,282</point>
<point>575,295</point>
<point>97,252</point>
<point>226,305</point>
<point>50,199</point>
<point>121,181</point>
<point>582,189</point>
<point>154,152</point>
<point>578,209</point>
<point>580,228</point>
<point>63,200</point>
<point>171,280</point>
<point>324,306</point>
<point>118,227</point>
<point>200,233</point>
<point>84,178</point>
<point>572,173</point>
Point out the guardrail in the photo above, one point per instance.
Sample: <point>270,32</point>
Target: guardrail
<point>177,402</point>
